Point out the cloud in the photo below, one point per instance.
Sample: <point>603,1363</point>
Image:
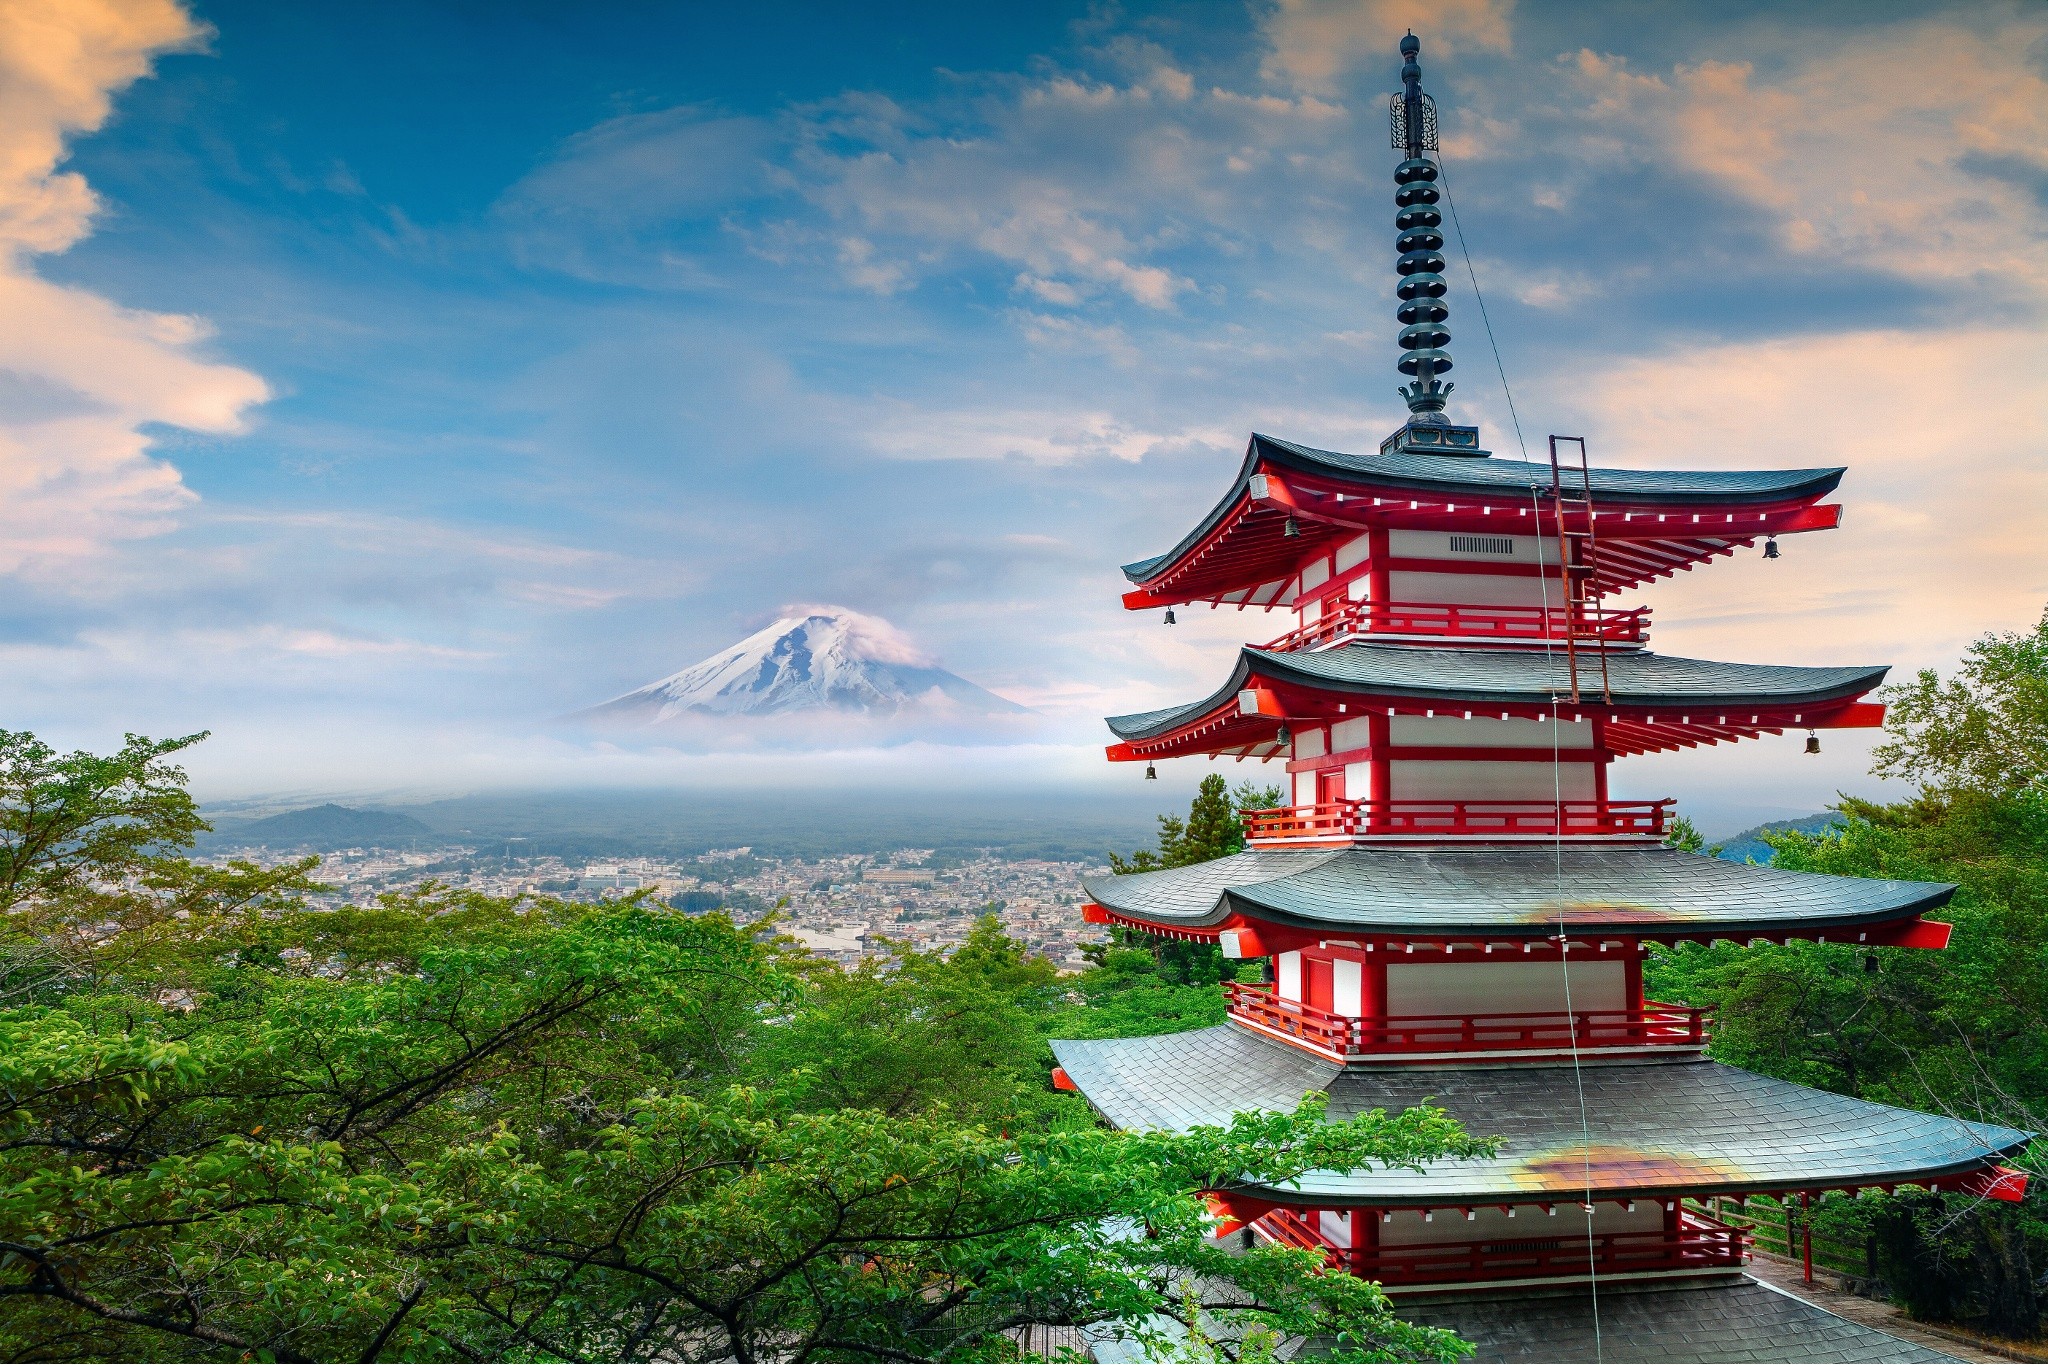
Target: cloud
<point>1942,434</point>
<point>1313,43</point>
<point>1037,435</point>
<point>81,379</point>
<point>1917,149</point>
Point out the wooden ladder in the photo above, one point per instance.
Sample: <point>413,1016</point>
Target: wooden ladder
<point>1578,566</point>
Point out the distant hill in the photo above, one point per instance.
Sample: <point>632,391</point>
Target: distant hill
<point>325,827</point>
<point>1749,846</point>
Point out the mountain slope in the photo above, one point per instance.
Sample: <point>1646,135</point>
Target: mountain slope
<point>814,659</point>
<point>326,827</point>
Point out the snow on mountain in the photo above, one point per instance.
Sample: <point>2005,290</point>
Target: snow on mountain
<point>812,659</point>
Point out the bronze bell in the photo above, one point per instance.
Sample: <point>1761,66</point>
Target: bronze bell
<point>1812,742</point>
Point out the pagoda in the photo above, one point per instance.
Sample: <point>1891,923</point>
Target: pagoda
<point>1452,907</point>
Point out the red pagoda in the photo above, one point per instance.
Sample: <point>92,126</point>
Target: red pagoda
<point>1453,907</point>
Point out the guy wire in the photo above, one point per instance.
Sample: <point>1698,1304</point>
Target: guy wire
<point>1450,202</point>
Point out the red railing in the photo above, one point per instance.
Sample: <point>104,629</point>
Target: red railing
<point>1348,819</point>
<point>1698,1244</point>
<point>1654,1025</point>
<point>1471,623</point>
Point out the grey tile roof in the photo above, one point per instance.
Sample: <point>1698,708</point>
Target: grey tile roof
<point>1478,675</point>
<point>1494,477</point>
<point>1735,1321</point>
<point>1510,891</point>
<point>1657,1128</point>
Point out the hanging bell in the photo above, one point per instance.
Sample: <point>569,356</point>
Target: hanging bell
<point>1870,963</point>
<point>1284,738</point>
<point>1770,547</point>
<point>1169,616</point>
<point>1292,530</point>
<point>1151,773</point>
<point>1812,742</point>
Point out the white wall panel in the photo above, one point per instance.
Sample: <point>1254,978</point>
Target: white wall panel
<point>1358,782</point>
<point>1353,552</point>
<point>1287,967</point>
<point>1347,988</point>
<point>1422,780</point>
<point>1407,1228</point>
<point>1354,733</point>
<point>1314,575</point>
<point>1437,545</point>
<point>1489,732</point>
<point>1336,1226</point>
<point>1470,589</point>
<point>1491,986</point>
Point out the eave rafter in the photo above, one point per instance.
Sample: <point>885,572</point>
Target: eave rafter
<point>1249,548</point>
<point>1230,730</point>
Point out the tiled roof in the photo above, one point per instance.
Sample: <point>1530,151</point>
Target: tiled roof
<point>1510,891</point>
<point>1729,1323</point>
<point>1494,477</point>
<point>1656,1128</point>
<point>1480,675</point>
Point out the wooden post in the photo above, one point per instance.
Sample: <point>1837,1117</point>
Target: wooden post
<point>1805,1235</point>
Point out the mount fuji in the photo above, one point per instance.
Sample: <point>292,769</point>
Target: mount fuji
<point>813,659</point>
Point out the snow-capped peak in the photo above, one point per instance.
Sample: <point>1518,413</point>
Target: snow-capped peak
<point>810,658</point>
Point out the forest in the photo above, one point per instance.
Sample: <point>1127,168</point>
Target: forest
<point>449,1127</point>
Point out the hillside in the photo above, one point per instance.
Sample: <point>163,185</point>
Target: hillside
<point>325,827</point>
<point>1749,846</point>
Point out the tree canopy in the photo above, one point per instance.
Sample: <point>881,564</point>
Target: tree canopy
<point>455,1127</point>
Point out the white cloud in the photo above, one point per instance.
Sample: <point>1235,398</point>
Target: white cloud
<point>1942,434</point>
<point>1917,148</point>
<point>1315,42</point>
<point>81,378</point>
<point>1037,435</point>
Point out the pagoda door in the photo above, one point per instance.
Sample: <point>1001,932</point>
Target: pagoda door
<point>1329,786</point>
<point>1321,992</point>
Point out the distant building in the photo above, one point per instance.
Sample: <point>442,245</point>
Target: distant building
<point>901,876</point>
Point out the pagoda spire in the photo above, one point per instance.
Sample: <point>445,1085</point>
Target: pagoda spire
<point>1420,263</point>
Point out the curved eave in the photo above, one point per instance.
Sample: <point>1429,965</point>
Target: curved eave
<point>1650,713</point>
<point>1516,892</point>
<point>1241,538</point>
<point>1657,1129</point>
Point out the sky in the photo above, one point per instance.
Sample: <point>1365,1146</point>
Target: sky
<point>382,380</point>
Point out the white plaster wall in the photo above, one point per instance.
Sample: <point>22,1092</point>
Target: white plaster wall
<point>1304,789</point>
<point>1347,988</point>
<point>1336,1226</point>
<point>1471,589</point>
<point>1355,733</point>
<point>1353,552</point>
<point>1315,575</point>
<point>1489,732</point>
<point>1423,780</point>
<point>1492,986</point>
<point>1309,744</point>
<point>1406,1228</point>
<point>1287,968</point>
<point>1358,781</point>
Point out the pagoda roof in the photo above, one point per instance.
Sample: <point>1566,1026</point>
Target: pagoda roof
<point>1657,1129</point>
<point>1510,891</point>
<point>1687,515</point>
<point>1455,678</point>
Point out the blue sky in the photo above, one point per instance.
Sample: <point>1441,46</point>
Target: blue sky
<point>395,376</point>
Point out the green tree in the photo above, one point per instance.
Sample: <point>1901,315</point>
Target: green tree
<point>1984,731</point>
<point>456,1127</point>
<point>1212,828</point>
<point>1963,1031</point>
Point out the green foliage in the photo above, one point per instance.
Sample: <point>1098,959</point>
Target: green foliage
<point>455,1127</point>
<point>1963,1031</point>
<point>1684,835</point>
<point>1211,830</point>
<point>1985,731</point>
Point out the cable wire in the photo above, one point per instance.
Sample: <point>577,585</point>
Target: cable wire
<point>1452,204</point>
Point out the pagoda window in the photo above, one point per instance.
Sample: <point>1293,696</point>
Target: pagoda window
<point>1287,976</point>
<point>1427,990</point>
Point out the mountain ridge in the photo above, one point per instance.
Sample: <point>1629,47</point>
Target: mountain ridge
<point>808,659</point>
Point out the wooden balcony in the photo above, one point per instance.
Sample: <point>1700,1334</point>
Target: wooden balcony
<point>1699,1243</point>
<point>1444,620</point>
<point>1390,1038</point>
<point>1339,820</point>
